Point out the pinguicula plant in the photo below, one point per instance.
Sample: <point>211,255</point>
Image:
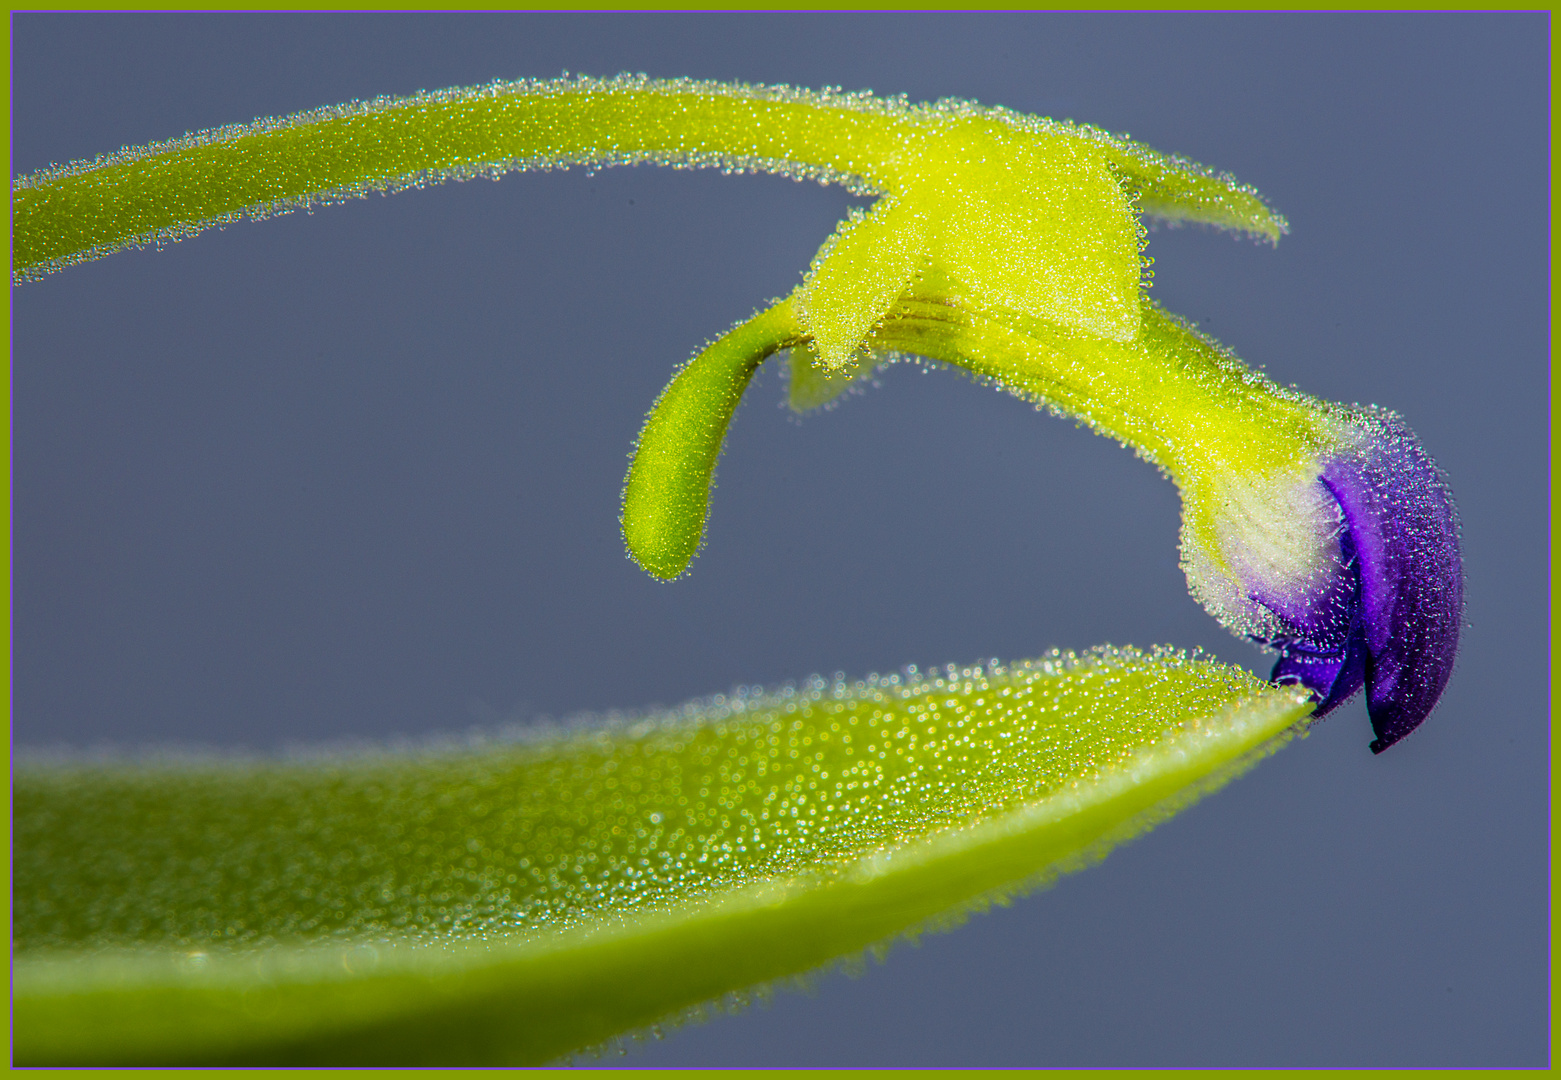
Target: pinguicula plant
<point>520,901</point>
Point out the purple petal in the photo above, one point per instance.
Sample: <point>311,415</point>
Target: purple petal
<point>1401,517</point>
<point>1407,583</point>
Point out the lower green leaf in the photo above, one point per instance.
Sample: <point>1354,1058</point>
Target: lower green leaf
<point>516,902</point>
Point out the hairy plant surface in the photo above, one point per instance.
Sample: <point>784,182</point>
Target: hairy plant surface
<point>513,903</point>
<point>519,901</point>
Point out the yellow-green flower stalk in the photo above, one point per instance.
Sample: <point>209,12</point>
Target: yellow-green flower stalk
<point>1006,244</point>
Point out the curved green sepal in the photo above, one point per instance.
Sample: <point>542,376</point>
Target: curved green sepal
<point>1175,189</point>
<point>666,496</point>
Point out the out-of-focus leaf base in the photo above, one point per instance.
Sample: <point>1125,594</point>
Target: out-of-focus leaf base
<point>539,997</point>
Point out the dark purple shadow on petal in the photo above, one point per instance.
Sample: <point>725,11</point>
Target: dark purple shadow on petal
<point>1329,657</point>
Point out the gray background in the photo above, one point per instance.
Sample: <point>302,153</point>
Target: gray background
<point>356,474</point>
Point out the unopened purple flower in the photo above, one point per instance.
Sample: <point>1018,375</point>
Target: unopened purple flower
<point>1388,614</point>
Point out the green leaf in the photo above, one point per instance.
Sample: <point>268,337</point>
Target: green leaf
<point>516,902</point>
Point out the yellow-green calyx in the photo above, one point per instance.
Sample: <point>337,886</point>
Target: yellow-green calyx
<point>1002,243</point>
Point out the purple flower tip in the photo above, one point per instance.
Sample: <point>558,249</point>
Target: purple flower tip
<point>1393,625</point>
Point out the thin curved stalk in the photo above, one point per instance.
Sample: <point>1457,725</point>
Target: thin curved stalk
<point>166,191</point>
